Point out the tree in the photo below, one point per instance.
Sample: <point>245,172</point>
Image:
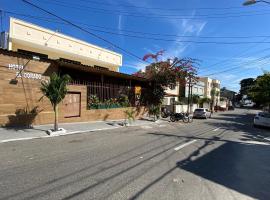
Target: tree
<point>163,74</point>
<point>55,90</point>
<point>214,94</point>
<point>245,85</point>
<point>260,91</point>
<point>224,92</point>
<point>203,101</point>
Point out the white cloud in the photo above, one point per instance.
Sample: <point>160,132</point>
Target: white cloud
<point>180,26</point>
<point>119,22</point>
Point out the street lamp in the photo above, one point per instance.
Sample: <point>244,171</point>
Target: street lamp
<point>251,2</point>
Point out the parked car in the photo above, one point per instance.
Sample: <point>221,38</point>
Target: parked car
<point>202,113</point>
<point>219,108</point>
<point>262,119</point>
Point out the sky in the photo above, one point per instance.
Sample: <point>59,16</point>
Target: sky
<point>230,41</point>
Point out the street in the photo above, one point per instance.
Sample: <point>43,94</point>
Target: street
<point>219,158</point>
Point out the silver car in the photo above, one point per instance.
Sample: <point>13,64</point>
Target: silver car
<point>262,119</point>
<point>202,113</point>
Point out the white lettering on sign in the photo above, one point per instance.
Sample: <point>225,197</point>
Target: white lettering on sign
<point>29,75</point>
<point>15,67</point>
<point>19,74</point>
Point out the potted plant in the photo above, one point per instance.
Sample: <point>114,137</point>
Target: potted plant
<point>129,116</point>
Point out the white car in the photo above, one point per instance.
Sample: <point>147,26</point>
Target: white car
<point>202,113</point>
<point>262,119</point>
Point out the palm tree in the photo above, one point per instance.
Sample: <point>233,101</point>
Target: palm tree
<point>55,90</point>
<point>214,94</point>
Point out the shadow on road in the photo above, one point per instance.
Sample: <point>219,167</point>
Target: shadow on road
<point>234,165</point>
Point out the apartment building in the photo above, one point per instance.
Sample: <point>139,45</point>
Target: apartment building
<point>196,89</point>
<point>210,84</point>
<point>171,94</point>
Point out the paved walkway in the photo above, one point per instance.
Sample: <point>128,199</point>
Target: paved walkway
<point>15,134</point>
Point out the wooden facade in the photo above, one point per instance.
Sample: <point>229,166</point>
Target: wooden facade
<point>21,101</point>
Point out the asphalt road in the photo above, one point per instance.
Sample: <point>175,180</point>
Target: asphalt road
<point>219,158</point>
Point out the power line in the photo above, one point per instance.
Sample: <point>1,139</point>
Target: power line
<point>238,54</point>
<point>84,30</point>
<point>159,8</point>
<point>113,10</point>
<point>230,59</point>
<point>138,32</point>
<point>163,39</point>
<point>237,66</point>
<point>117,12</point>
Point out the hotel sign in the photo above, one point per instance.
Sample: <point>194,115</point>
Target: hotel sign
<point>21,74</point>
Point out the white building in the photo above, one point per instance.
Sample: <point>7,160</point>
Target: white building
<point>210,84</point>
<point>26,37</point>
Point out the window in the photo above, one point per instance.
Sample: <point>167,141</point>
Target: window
<point>172,100</point>
<point>172,86</point>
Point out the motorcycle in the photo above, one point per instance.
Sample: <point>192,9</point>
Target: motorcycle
<point>165,113</point>
<point>181,116</point>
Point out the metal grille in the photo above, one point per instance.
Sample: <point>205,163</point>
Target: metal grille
<point>105,91</point>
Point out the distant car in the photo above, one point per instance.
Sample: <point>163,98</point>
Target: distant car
<point>219,108</point>
<point>249,105</point>
<point>202,113</point>
<point>262,119</point>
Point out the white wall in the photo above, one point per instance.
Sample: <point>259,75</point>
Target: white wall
<point>184,108</point>
<point>31,37</point>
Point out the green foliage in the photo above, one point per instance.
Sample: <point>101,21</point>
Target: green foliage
<point>246,85</point>
<point>163,74</point>
<point>130,115</point>
<point>56,88</point>
<point>182,101</point>
<point>204,100</point>
<point>123,100</point>
<point>95,103</point>
<point>195,98</point>
<point>155,111</point>
<point>222,98</point>
<point>260,91</point>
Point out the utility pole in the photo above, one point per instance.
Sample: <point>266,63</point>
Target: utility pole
<point>191,107</point>
<point>188,108</point>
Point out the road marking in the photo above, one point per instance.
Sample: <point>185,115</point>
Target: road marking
<point>265,138</point>
<point>184,145</point>
<point>256,142</point>
<point>216,129</point>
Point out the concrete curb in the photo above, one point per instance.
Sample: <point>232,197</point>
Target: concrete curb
<point>76,132</point>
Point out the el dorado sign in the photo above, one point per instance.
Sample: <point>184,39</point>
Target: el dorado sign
<point>21,74</point>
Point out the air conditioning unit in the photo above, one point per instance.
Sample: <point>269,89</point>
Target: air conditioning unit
<point>4,40</point>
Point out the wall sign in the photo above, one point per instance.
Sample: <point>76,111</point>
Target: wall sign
<point>28,75</point>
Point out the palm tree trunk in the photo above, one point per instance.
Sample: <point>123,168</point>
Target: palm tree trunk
<point>55,108</point>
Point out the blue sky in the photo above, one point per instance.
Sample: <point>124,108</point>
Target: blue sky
<point>188,28</point>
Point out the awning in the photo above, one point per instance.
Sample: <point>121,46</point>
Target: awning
<point>97,70</point>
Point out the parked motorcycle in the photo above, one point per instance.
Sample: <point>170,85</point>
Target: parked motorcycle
<point>181,116</point>
<point>165,113</point>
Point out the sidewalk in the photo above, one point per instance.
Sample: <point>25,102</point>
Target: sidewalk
<point>15,134</point>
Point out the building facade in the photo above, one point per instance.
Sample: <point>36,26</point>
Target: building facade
<point>210,84</point>
<point>28,38</point>
<point>33,56</point>
<point>171,94</point>
<point>196,89</point>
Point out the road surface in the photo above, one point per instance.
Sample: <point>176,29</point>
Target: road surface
<point>219,158</point>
